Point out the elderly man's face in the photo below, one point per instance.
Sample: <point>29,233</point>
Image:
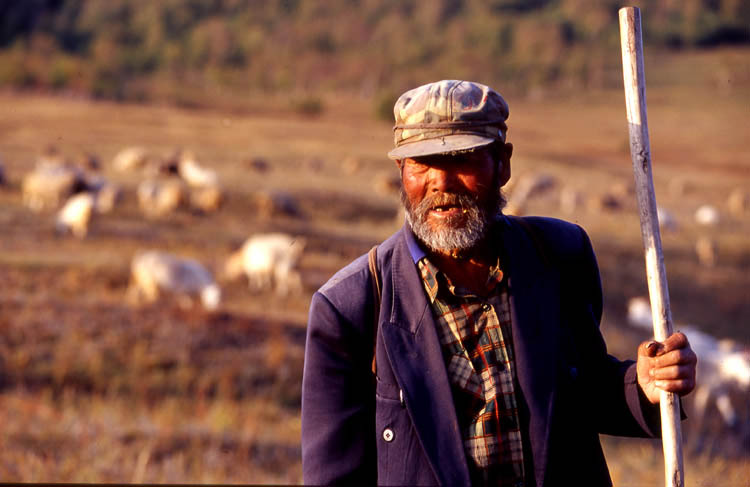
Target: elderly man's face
<point>451,200</point>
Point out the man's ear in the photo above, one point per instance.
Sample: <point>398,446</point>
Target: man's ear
<point>505,163</point>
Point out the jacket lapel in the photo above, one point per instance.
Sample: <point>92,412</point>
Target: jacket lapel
<point>414,352</point>
<point>535,310</point>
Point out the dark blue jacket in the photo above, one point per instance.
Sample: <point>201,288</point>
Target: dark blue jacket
<point>569,388</point>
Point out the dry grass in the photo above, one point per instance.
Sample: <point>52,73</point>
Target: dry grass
<point>94,391</point>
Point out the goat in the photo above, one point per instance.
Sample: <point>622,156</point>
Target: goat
<point>195,175</point>
<point>723,365</point>
<point>49,184</point>
<point>76,214</point>
<point>707,215</point>
<point>130,158</point>
<point>159,197</point>
<point>269,261</point>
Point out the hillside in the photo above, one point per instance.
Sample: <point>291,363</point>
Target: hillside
<point>194,52</point>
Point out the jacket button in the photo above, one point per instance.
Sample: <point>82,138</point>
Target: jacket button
<point>388,435</point>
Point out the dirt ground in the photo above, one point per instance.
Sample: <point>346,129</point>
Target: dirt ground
<point>93,389</point>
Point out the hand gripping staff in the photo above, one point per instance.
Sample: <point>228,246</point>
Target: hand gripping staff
<point>635,100</point>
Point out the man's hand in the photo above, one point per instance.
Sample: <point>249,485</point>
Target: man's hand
<point>667,365</point>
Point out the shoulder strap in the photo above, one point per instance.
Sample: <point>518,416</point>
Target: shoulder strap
<point>376,294</point>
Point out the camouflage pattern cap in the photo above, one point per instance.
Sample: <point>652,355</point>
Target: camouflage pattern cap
<point>447,116</point>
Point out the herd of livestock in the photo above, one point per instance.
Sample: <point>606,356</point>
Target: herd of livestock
<point>77,192</point>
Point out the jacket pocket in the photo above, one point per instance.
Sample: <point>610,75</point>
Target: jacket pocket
<point>401,460</point>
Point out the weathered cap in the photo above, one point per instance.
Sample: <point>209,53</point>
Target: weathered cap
<point>447,116</point>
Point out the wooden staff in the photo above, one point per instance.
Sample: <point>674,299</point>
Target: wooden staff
<point>635,101</point>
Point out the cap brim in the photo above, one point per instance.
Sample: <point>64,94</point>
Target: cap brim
<point>440,145</point>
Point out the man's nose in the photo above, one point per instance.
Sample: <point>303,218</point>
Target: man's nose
<point>441,180</point>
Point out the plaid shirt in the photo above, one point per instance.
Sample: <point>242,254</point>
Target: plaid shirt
<point>475,333</point>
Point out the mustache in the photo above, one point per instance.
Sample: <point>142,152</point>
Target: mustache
<point>460,200</point>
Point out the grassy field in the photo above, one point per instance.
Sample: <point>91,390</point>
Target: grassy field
<point>93,390</point>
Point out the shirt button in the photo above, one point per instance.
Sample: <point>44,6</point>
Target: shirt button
<point>388,435</point>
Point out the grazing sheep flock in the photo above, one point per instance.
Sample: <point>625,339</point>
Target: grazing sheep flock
<point>78,192</point>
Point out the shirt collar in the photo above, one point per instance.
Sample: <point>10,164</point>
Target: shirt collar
<point>415,248</point>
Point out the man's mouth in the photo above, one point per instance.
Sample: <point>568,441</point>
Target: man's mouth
<point>447,210</point>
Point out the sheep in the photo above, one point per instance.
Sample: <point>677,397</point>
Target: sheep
<point>351,165</point>
<point>206,199</point>
<point>570,200</point>
<point>707,215</point>
<point>738,203</point>
<point>49,184</point>
<point>388,183</point>
<point>108,195</point>
<point>667,221</point>
<point>723,370</point>
<point>530,185</point>
<point>604,202</point>
<point>706,250</point>
<point>273,203</point>
<point>195,175</point>
<point>639,312</point>
<point>75,215</point>
<point>130,158</point>
<point>155,273</point>
<point>159,197</point>
<point>723,366</point>
<point>258,164</point>
<point>269,261</point>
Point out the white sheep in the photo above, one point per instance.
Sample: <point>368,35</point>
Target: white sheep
<point>528,186</point>
<point>49,184</point>
<point>388,183</point>
<point>269,261</point>
<point>206,199</point>
<point>195,175</point>
<point>571,199</point>
<point>723,365</point>
<point>158,197</point>
<point>707,251</point>
<point>723,369</point>
<point>667,220</point>
<point>275,202</point>
<point>75,215</point>
<point>738,202</point>
<point>707,215</point>
<point>154,273</point>
<point>130,158</point>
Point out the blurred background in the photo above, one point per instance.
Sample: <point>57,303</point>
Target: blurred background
<point>178,177</point>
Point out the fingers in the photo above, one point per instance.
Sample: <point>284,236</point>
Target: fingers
<point>673,372</point>
<point>675,357</point>
<point>675,341</point>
